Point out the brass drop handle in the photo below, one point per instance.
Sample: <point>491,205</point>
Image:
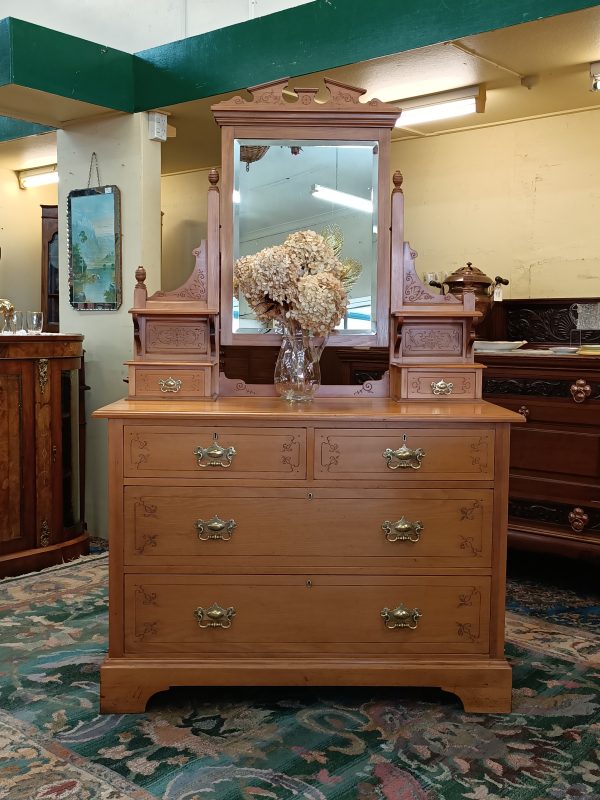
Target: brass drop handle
<point>402,530</point>
<point>403,457</point>
<point>401,617</point>
<point>523,411</point>
<point>170,385</point>
<point>441,387</point>
<point>214,455</point>
<point>580,390</point>
<point>214,616</point>
<point>215,528</point>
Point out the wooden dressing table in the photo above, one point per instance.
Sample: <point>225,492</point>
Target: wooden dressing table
<point>356,540</point>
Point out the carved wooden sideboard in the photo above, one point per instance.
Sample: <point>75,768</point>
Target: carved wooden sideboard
<point>555,458</point>
<point>41,419</point>
<point>358,539</point>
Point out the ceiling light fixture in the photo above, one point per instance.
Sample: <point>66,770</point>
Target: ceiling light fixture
<point>443,105</point>
<point>342,198</point>
<point>595,76</point>
<point>39,176</point>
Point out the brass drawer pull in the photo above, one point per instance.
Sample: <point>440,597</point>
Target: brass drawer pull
<point>170,385</point>
<point>523,411</point>
<point>403,457</point>
<point>215,528</point>
<point>401,617</point>
<point>215,616</point>
<point>214,455</point>
<point>580,390</point>
<point>441,387</point>
<point>403,530</point>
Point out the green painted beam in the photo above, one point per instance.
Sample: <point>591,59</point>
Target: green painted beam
<point>54,62</point>
<point>318,36</point>
<point>5,53</point>
<point>16,128</point>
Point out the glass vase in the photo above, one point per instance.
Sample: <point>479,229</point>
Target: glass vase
<point>297,371</point>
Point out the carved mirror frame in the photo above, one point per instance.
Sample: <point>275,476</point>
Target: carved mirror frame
<point>277,112</point>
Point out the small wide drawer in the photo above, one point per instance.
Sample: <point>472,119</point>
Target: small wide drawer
<point>184,525</point>
<point>302,613</point>
<point>214,452</point>
<point>412,454</point>
<point>171,383</point>
<point>433,384</point>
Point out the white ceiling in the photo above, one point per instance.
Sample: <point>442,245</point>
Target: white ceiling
<point>536,69</point>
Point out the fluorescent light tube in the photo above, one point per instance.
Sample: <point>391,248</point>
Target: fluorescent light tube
<point>443,105</point>
<point>454,108</point>
<point>342,198</point>
<point>40,176</point>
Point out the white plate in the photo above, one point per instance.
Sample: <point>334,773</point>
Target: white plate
<point>564,351</point>
<point>490,347</point>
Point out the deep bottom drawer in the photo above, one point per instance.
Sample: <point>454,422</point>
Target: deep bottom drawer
<point>312,614</point>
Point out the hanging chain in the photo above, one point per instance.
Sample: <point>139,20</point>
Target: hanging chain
<point>94,162</point>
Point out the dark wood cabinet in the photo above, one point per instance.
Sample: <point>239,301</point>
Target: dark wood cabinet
<point>554,485</point>
<point>49,299</point>
<point>41,433</point>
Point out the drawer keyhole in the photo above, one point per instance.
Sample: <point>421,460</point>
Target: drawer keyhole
<point>309,583</point>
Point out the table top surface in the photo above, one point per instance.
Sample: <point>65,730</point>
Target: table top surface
<point>361,409</point>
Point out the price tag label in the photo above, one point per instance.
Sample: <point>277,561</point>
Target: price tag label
<point>498,293</point>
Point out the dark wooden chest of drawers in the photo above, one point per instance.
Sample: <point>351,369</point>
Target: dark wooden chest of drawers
<point>554,492</point>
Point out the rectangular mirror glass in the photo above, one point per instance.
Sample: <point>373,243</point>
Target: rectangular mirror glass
<point>329,187</point>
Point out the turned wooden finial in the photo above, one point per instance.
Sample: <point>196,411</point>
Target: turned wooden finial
<point>398,179</point>
<point>140,276</point>
<point>213,176</point>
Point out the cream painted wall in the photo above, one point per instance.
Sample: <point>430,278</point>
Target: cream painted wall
<point>520,200</point>
<point>21,240</point>
<point>184,206</point>
<point>130,161</point>
<point>136,26</point>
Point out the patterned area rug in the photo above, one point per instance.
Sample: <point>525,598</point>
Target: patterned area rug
<point>284,744</point>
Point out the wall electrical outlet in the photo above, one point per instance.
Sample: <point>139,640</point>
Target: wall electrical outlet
<point>157,126</point>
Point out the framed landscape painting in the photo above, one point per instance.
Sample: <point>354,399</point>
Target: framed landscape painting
<point>94,242</point>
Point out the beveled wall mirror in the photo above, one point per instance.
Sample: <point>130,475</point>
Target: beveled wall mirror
<point>291,163</point>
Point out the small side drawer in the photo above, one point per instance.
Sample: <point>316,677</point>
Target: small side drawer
<point>399,455</point>
<point>433,384</point>
<point>214,452</point>
<point>170,383</point>
<point>183,614</point>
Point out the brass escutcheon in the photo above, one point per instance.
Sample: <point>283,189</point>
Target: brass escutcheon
<point>215,616</point>
<point>402,530</point>
<point>403,457</point>
<point>215,528</point>
<point>441,387</point>
<point>401,617</point>
<point>170,385</point>
<point>214,455</point>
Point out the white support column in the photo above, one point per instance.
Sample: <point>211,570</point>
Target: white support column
<point>126,159</point>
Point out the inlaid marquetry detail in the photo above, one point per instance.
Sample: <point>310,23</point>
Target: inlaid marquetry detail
<point>148,598</point>
<point>291,454</point>
<point>148,540</point>
<point>421,340</point>
<point>42,373</point>
<point>330,454</point>
<point>467,543</point>
<point>479,454</point>
<point>140,452</point>
<point>149,509</point>
<point>149,629</point>
<point>468,512</point>
<point>466,599</point>
<point>45,537</point>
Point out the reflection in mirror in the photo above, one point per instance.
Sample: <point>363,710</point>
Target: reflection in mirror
<point>327,187</point>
